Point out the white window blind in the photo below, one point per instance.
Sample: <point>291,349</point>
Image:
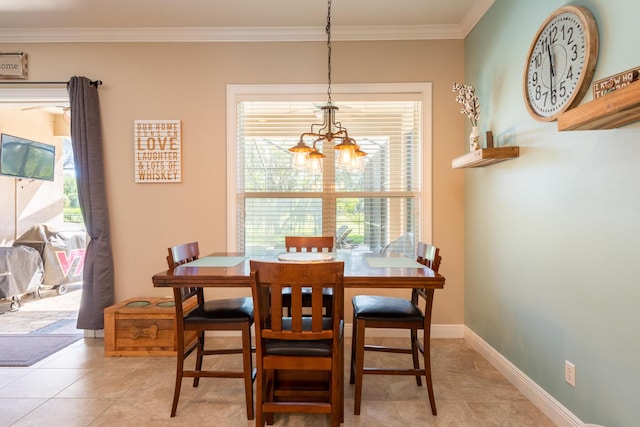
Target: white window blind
<point>377,208</point>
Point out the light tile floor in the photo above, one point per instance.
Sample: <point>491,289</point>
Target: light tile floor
<point>79,386</point>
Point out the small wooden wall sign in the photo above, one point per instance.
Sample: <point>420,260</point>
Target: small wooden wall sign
<point>13,65</point>
<point>617,81</point>
<point>158,146</point>
<point>489,139</point>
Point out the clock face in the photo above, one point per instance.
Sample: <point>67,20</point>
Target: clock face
<point>561,62</point>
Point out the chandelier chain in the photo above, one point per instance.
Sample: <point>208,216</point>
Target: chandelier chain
<point>349,156</point>
<point>328,30</point>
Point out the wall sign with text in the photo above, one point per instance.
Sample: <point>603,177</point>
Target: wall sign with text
<point>615,82</point>
<point>158,146</point>
<point>13,65</point>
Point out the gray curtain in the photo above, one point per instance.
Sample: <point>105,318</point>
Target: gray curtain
<point>86,139</point>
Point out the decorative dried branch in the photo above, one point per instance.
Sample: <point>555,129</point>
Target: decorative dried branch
<point>470,105</point>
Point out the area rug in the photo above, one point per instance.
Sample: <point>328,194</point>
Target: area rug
<point>27,349</point>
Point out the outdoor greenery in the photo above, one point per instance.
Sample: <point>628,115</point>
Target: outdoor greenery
<point>351,212</point>
<point>72,211</point>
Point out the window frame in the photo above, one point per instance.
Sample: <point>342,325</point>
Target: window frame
<point>249,92</point>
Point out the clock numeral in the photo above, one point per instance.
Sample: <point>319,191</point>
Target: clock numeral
<point>567,34</point>
<point>554,97</point>
<point>534,78</point>
<point>538,60</point>
<point>553,35</point>
<point>574,49</point>
<point>546,45</point>
<point>570,72</point>
<point>563,90</point>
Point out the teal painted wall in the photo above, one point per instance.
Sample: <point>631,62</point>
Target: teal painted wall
<point>552,270</point>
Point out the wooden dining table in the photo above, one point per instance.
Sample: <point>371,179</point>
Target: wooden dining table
<point>361,270</point>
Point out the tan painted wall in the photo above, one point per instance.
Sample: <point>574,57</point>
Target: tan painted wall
<point>187,81</point>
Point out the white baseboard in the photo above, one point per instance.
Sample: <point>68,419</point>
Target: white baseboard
<point>538,396</point>
<point>94,333</point>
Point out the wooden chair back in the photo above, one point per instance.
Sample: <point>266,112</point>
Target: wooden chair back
<point>178,255</point>
<point>268,279</point>
<point>309,243</point>
<point>181,254</point>
<point>428,255</point>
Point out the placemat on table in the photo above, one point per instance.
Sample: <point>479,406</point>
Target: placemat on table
<point>215,261</point>
<point>399,262</point>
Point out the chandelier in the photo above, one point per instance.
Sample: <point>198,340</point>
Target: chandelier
<point>306,157</point>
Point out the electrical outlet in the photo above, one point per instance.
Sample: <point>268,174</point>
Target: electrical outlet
<point>570,373</point>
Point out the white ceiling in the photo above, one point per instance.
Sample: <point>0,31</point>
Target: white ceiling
<point>235,20</point>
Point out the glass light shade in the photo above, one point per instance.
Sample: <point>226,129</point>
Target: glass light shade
<point>314,160</point>
<point>346,157</point>
<point>299,161</point>
<point>358,163</point>
<point>315,165</point>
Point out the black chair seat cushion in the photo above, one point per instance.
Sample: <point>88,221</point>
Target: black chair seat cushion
<point>223,311</point>
<point>385,308</point>
<point>318,348</point>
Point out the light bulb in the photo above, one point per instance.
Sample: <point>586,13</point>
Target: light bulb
<point>346,157</point>
<point>299,161</point>
<point>357,165</point>
<point>315,165</point>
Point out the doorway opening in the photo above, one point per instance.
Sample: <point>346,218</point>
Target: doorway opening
<point>46,209</point>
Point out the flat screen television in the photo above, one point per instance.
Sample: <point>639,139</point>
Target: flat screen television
<point>23,158</point>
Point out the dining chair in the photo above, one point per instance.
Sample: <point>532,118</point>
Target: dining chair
<point>289,349</point>
<point>371,311</point>
<point>195,314</point>
<point>308,244</point>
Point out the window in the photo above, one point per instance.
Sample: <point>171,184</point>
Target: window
<point>386,206</point>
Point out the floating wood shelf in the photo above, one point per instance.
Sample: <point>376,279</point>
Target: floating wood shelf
<point>612,110</point>
<point>485,157</point>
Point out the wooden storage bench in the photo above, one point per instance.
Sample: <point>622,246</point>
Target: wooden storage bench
<point>142,327</point>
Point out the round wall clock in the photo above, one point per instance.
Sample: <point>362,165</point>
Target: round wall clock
<point>561,62</point>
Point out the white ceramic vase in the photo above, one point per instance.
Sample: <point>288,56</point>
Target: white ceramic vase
<point>474,139</point>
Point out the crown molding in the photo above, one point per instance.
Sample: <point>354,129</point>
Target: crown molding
<point>228,34</point>
<point>474,15</point>
<point>405,32</point>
